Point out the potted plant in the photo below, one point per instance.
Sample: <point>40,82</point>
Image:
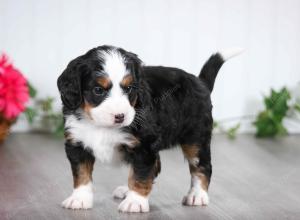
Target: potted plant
<point>14,93</point>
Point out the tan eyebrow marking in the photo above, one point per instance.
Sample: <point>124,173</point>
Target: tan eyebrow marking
<point>127,80</point>
<point>104,82</point>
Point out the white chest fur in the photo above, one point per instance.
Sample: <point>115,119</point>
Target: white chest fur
<point>102,141</point>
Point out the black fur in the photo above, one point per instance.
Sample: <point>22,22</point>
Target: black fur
<point>173,107</point>
<point>179,113</point>
<point>210,70</point>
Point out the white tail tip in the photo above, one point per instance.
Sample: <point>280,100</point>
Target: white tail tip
<point>231,52</point>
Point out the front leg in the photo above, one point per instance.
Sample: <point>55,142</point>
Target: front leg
<point>140,181</point>
<point>82,162</point>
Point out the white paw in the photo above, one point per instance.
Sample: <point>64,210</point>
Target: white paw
<point>196,197</point>
<point>120,192</point>
<point>81,198</point>
<point>134,203</point>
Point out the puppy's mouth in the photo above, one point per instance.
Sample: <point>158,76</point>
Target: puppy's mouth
<point>121,122</point>
<point>118,121</point>
<point>119,118</point>
<point>115,119</point>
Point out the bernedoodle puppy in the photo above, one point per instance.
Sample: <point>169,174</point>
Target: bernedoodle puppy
<point>117,109</point>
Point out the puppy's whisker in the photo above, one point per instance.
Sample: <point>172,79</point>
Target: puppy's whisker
<point>138,119</point>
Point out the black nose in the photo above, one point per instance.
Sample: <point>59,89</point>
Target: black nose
<point>119,118</point>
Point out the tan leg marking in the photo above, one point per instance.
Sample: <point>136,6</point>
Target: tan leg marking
<point>82,196</point>
<point>84,174</point>
<point>197,195</point>
<point>142,187</point>
<point>191,153</point>
<point>198,172</point>
<point>137,197</point>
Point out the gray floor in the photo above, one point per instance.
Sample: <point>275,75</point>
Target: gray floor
<point>252,179</point>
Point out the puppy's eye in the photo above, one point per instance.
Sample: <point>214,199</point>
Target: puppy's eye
<point>99,91</point>
<point>128,89</point>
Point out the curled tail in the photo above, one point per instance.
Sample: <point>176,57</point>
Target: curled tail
<point>212,66</point>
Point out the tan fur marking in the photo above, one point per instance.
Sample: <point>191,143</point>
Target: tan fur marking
<point>203,179</point>
<point>87,108</point>
<point>194,169</point>
<point>84,174</point>
<point>104,82</point>
<point>133,141</point>
<point>127,80</point>
<point>141,187</point>
<point>190,151</point>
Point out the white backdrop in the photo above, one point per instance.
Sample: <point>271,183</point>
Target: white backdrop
<point>42,36</point>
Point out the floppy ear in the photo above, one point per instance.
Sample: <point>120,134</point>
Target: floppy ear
<point>69,84</point>
<point>143,93</point>
<point>136,64</point>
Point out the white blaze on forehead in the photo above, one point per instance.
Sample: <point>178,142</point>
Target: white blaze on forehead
<point>114,65</point>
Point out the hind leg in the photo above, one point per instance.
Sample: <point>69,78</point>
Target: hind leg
<point>198,156</point>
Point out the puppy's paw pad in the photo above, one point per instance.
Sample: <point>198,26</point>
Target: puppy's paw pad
<point>134,203</point>
<point>196,198</point>
<point>120,192</point>
<point>75,202</point>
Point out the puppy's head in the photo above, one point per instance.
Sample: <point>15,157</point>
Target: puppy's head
<point>104,84</point>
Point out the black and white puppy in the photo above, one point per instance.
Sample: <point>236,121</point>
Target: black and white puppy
<point>115,108</point>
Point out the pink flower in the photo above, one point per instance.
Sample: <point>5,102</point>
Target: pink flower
<point>13,90</point>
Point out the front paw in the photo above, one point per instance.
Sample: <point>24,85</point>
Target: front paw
<point>196,198</point>
<point>134,203</point>
<point>120,192</point>
<point>81,198</point>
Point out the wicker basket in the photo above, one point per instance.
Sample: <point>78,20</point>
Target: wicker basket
<point>4,128</point>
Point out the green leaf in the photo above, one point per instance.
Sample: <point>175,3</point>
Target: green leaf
<point>269,122</point>
<point>32,90</point>
<point>265,126</point>
<point>277,102</point>
<point>60,127</point>
<point>231,133</point>
<point>297,107</point>
<point>281,130</point>
<point>30,114</point>
<point>46,104</point>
